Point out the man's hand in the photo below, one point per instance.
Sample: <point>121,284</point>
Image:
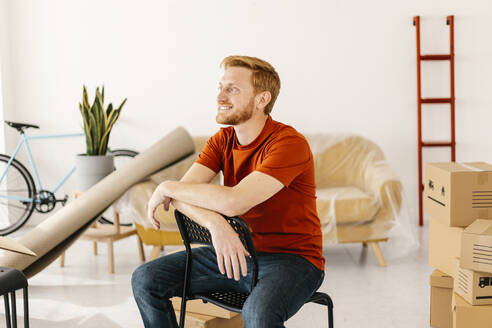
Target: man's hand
<point>231,254</point>
<point>155,201</point>
<point>229,249</point>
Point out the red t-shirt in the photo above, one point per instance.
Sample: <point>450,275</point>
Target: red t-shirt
<point>288,221</point>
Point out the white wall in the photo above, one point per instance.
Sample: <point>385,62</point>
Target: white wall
<point>4,41</point>
<point>345,66</point>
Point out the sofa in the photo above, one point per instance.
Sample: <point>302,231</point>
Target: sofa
<point>358,194</point>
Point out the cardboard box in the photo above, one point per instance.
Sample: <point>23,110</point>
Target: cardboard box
<point>458,193</point>
<point>441,294</point>
<point>197,306</point>
<point>195,320</point>
<point>444,246</point>
<point>469,316</point>
<point>14,246</point>
<point>476,251</point>
<point>475,287</point>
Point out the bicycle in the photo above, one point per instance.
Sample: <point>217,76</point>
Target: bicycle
<point>21,195</point>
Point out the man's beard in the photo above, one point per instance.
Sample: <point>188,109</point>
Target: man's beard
<point>236,117</point>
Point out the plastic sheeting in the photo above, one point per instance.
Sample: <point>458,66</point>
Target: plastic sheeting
<point>359,196</point>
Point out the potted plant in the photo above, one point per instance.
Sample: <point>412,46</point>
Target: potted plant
<point>98,122</point>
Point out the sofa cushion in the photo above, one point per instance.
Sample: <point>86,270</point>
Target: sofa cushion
<point>345,205</point>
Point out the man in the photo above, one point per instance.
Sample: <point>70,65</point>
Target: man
<point>268,173</point>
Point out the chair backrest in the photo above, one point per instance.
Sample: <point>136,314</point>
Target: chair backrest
<point>193,233</point>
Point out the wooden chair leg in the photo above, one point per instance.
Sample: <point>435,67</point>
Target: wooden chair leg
<point>377,252</point>
<point>156,251</point>
<point>110,256</point>
<point>94,248</point>
<point>62,260</point>
<point>141,249</point>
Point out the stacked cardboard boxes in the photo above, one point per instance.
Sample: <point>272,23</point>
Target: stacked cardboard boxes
<point>207,315</point>
<point>440,302</point>
<point>458,200</point>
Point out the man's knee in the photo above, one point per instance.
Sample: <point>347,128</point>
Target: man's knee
<point>258,314</point>
<point>141,279</point>
<point>163,277</point>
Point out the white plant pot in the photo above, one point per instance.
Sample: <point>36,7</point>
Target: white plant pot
<point>91,169</point>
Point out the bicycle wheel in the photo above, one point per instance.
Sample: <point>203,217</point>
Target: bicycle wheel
<point>18,183</point>
<point>121,157</point>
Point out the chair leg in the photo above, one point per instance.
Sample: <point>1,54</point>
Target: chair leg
<point>26,309</point>
<point>378,253</point>
<point>329,306</point>
<point>7,309</point>
<point>110,256</point>
<point>182,314</point>
<point>62,260</point>
<point>141,249</point>
<point>330,317</point>
<point>14,309</point>
<point>156,251</point>
<point>186,280</point>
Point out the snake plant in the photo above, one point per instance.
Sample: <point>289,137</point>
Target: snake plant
<point>98,122</point>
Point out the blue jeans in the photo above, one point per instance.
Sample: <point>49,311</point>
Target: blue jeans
<point>285,282</point>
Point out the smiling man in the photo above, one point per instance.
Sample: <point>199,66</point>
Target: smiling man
<point>268,173</point>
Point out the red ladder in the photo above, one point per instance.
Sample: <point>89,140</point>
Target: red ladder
<point>420,101</point>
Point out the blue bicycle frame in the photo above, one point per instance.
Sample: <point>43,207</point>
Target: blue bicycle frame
<point>24,141</point>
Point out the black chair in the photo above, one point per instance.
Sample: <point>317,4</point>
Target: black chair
<point>193,233</point>
<point>10,281</point>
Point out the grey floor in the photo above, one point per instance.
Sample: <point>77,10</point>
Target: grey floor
<point>84,294</point>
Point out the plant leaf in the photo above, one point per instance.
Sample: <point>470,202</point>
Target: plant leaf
<point>98,121</point>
